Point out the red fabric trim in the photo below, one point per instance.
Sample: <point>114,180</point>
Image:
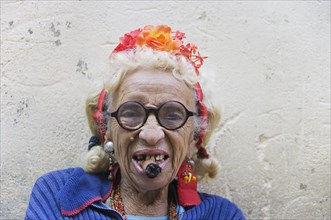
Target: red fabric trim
<point>199,91</point>
<point>202,152</point>
<point>98,116</point>
<point>204,115</point>
<point>79,209</point>
<point>107,194</point>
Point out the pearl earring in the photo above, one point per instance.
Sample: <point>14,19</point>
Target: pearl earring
<point>109,147</point>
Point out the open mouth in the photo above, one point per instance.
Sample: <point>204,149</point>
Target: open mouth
<point>158,157</point>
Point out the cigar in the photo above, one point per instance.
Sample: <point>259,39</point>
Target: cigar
<point>151,168</point>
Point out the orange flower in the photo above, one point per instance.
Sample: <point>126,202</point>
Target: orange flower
<point>162,39</point>
<point>159,38</point>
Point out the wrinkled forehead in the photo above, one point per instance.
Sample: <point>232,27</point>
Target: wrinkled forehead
<point>126,62</point>
<point>153,87</point>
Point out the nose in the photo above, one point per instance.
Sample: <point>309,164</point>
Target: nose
<point>151,132</point>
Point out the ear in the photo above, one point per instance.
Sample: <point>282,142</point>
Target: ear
<point>107,137</point>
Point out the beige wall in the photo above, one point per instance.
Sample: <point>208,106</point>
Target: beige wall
<point>270,61</point>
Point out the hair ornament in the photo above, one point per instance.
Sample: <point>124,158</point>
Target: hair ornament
<point>203,113</point>
<point>161,38</point>
<point>98,115</point>
<point>202,153</point>
<point>109,147</point>
<point>94,141</point>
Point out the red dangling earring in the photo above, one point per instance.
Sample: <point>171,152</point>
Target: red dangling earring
<point>187,175</point>
<point>113,169</point>
<point>187,184</point>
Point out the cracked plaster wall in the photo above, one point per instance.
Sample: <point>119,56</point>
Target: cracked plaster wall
<point>269,60</point>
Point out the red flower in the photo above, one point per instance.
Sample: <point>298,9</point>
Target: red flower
<point>192,53</point>
<point>179,35</point>
<point>162,39</point>
<point>128,41</point>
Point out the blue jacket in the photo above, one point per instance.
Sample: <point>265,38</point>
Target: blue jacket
<point>75,194</point>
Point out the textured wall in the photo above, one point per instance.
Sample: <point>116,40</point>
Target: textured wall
<point>270,61</point>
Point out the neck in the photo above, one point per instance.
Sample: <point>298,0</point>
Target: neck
<point>144,203</point>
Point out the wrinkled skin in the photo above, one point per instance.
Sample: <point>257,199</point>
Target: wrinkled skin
<point>142,195</point>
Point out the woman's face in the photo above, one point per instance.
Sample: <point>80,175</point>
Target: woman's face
<point>151,88</point>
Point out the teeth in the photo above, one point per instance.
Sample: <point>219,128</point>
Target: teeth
<point>158,158</point>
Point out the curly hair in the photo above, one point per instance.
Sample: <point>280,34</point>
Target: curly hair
<point>129,61</point>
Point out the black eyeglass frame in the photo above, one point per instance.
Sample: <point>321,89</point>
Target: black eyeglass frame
<point>149,110</point>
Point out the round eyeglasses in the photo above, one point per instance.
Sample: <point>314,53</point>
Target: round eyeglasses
<point>132,115</point>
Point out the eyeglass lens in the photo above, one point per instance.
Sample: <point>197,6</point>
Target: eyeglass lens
<point>132,115</point>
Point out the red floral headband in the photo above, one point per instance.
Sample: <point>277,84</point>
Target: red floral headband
<point>161,38</point>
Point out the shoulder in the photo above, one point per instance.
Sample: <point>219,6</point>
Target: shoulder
<point>216,200</point>
<point>59,177</point>
<point>66,193</point>
<point>44,191</point>
<point>215,207</point>
<point>52,182</point>
<point>45,196</point>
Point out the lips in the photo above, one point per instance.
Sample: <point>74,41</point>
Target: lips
<point>157,156</point>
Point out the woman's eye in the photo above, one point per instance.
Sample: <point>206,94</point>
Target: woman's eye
<point>173,117</point>
<point>129,114</point>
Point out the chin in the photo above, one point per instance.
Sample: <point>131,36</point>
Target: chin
<point>144,183</point>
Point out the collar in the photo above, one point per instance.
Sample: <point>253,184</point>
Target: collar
<point>81,190</point>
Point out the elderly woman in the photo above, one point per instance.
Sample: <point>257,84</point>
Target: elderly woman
<point>151,125</point>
